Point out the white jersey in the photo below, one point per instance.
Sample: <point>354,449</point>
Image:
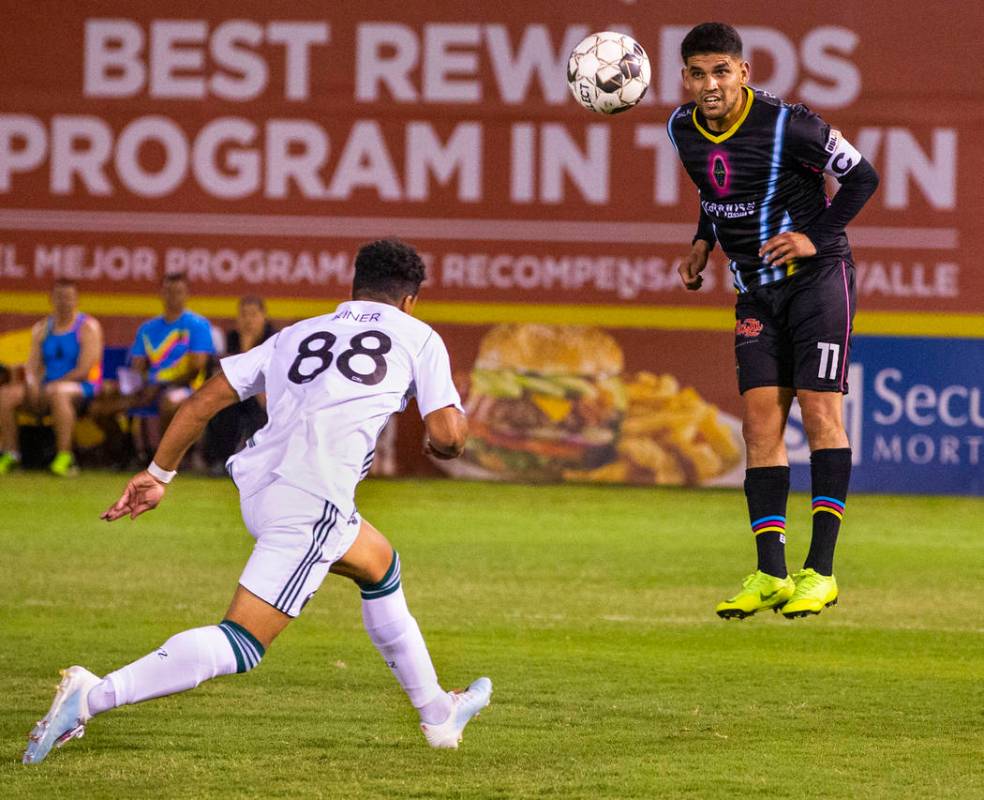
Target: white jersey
<point>331,384</point>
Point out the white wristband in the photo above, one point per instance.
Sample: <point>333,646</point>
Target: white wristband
<point>163,475</point>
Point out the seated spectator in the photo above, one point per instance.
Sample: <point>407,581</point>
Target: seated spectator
<point>168,357</point>
<point>63,370</point>
<point>228,429</point>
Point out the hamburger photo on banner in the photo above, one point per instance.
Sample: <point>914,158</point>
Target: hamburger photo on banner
<point>544,400</point>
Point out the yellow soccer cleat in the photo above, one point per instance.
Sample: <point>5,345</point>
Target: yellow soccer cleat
<point>758,592</point>
<point>64,465</point>
<point>7,463</point>
<point>814,592</point>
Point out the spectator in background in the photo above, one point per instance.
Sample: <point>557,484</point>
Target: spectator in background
<point>230,427</point>
<point>64,369</point>
<point>169,354</point>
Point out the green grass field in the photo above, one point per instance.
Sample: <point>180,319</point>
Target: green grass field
<point>590,608</point>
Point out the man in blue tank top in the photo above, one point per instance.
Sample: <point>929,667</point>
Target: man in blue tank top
<point>64,368</point>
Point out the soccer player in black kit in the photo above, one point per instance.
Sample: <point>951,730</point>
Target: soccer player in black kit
<point>759,166</point>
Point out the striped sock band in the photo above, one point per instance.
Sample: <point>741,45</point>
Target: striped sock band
<point>389,584</point>
<point>247,649</point>
<point>829,504</point>
<point>773,524</point>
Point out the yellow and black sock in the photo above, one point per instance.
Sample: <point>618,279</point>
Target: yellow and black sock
<point>766,489</point>
<point>830,471</point>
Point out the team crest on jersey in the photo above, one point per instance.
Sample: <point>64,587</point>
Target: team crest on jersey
<point>719,171</point>
<point>750,327</point>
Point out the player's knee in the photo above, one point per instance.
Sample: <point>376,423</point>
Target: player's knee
<point>246,648</point>
<point>385,585</point>
<point>760,433</point>
<point>821,424</point>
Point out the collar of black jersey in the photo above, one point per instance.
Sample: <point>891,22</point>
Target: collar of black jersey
<point>720,137</point>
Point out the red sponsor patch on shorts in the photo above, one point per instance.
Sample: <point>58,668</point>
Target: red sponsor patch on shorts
<point>748,327</point>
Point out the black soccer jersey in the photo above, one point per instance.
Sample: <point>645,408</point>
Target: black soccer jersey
<point>761,177</point>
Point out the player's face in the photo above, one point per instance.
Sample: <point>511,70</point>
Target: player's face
<point>715,82</point>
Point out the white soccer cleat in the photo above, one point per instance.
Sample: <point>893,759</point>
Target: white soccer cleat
<point>464,706</point>
<point>67,716</point>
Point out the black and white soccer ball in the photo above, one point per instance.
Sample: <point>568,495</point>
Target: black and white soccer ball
<point>608,72</point>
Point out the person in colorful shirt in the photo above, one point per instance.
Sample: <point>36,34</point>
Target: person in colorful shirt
<point>169,353</point>
<point>64,369</point>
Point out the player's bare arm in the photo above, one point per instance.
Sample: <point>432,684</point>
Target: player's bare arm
<point>693,265</point>
<point>447,430</point>
<point>144,492</point>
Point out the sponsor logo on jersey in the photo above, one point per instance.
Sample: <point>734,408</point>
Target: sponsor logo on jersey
<point>750,327</point>
<point>730,210</point>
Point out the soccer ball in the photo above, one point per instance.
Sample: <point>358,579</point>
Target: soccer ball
<point>608,72</point>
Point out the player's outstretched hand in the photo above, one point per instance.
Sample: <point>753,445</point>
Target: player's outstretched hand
<point>779,249</point>
<point>142,493</point>
<point>691,267</point>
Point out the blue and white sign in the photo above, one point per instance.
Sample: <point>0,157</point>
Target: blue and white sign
<point>915,417</point>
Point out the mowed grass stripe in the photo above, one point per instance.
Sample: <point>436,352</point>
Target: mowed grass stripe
<point>590,608</point>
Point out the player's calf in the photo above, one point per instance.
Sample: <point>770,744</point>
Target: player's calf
<point>181,663</point>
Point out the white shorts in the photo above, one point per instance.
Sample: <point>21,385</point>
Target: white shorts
<point>298,537</point>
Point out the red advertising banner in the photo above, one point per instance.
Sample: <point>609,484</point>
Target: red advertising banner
<point>255,146</point>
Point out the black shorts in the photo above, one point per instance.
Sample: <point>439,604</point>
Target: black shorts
<point>797,333</point>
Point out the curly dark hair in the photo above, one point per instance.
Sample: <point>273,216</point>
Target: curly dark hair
<point>387,269</point>
<point>711,37</point>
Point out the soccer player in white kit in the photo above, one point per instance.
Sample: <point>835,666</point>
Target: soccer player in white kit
<point>331,383</point>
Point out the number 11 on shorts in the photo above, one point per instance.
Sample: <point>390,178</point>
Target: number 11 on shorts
<point>829,356</point>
